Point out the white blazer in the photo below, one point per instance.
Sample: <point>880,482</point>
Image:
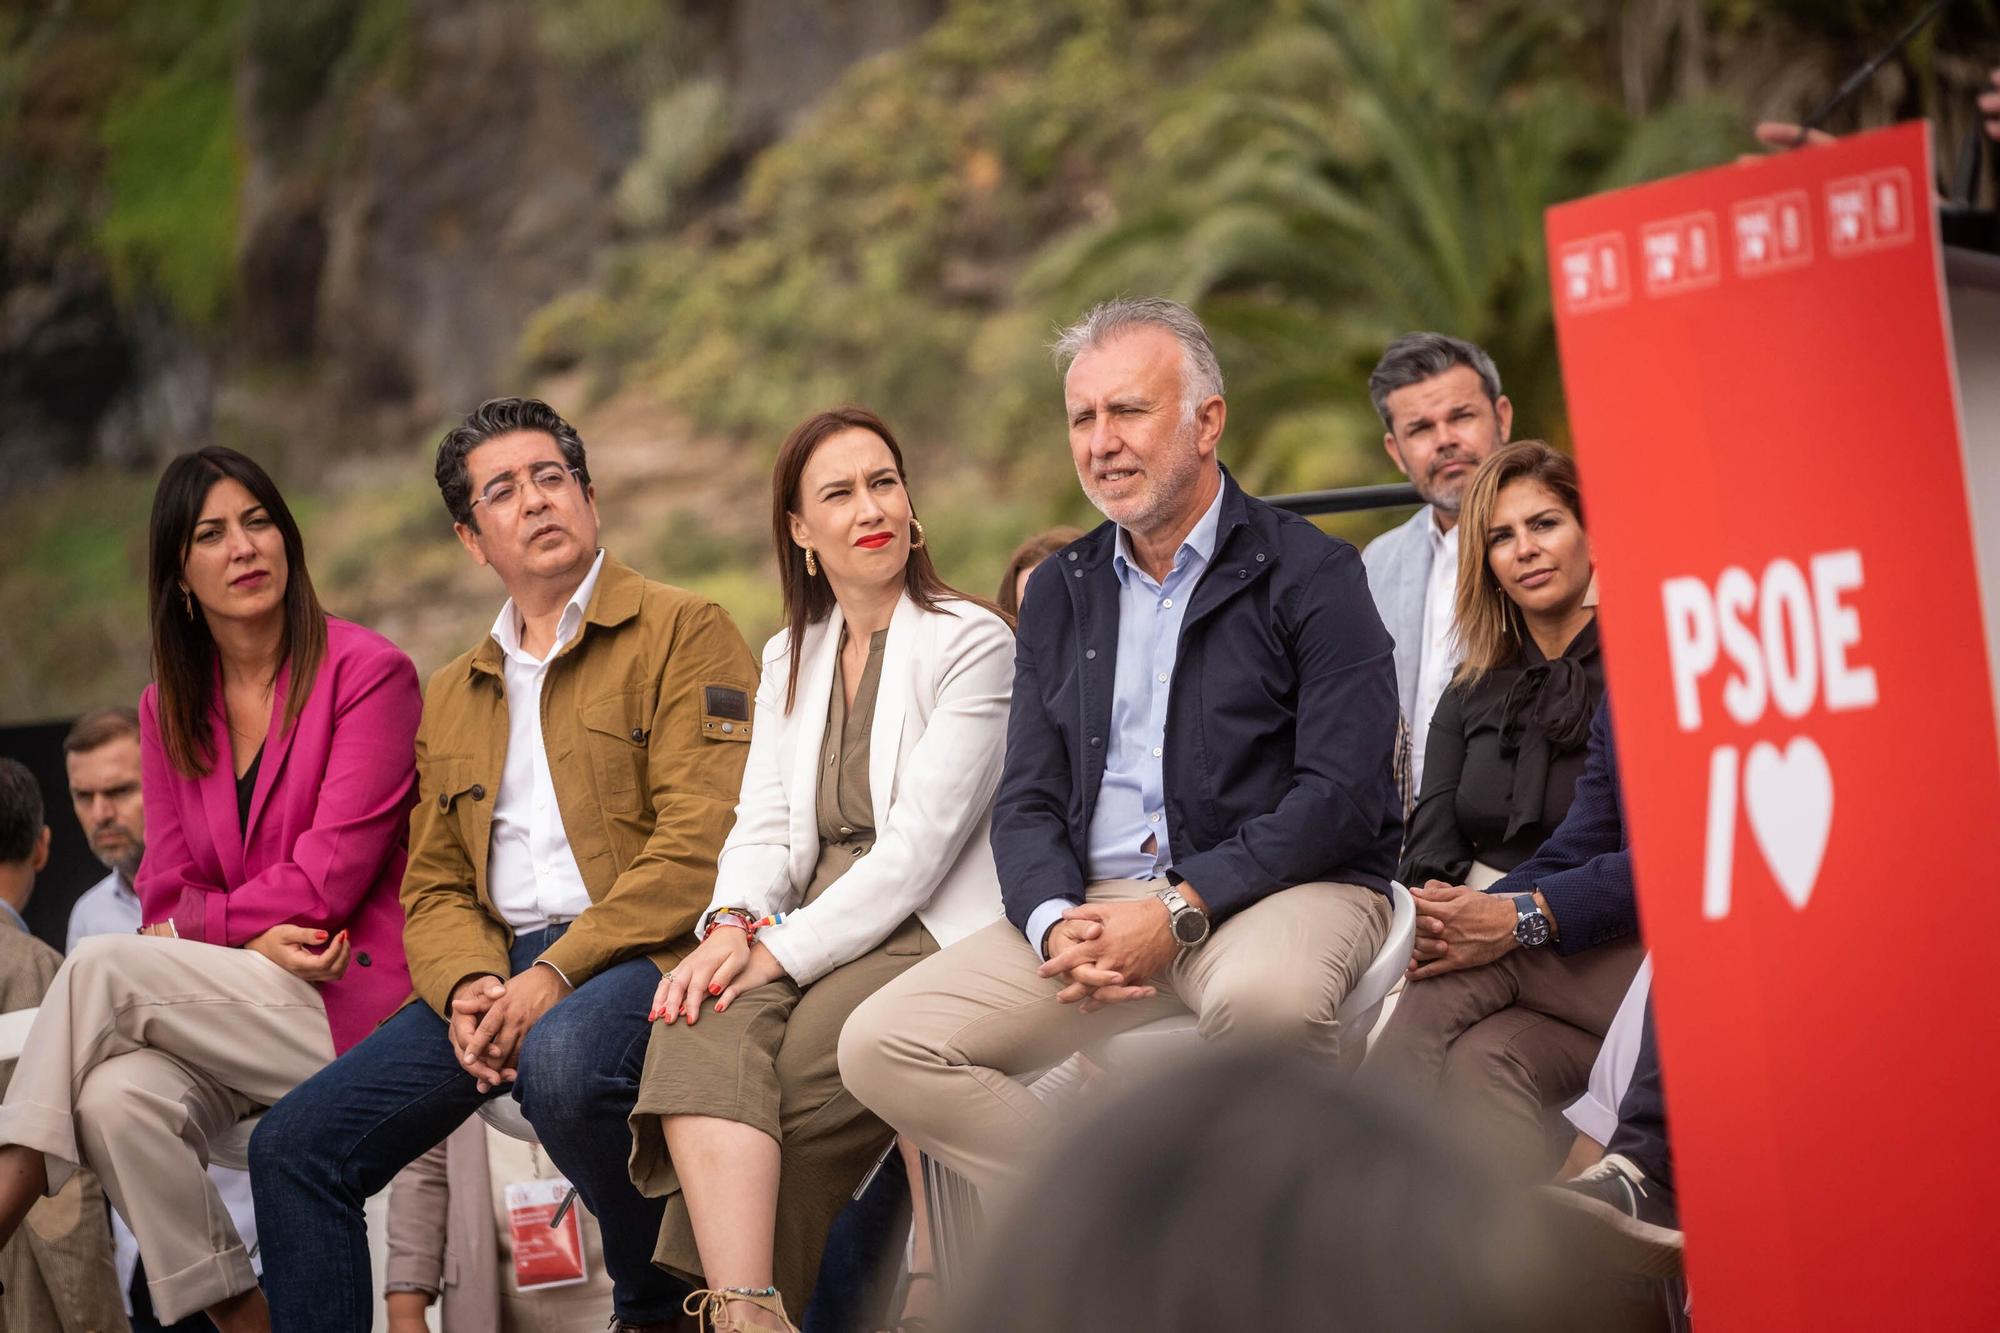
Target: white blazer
<point>935,749</point>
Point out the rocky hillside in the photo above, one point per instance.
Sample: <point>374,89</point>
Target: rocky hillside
<point>224,214</point>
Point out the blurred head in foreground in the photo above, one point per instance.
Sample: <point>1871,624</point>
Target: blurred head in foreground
<point>1252,1189</point>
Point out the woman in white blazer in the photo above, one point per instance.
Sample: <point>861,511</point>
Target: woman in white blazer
<point>860,847</point>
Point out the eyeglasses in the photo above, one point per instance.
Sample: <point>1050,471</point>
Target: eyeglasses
<point>551,479</point>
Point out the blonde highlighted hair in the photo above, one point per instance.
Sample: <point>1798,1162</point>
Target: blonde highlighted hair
<point>1487,623</point>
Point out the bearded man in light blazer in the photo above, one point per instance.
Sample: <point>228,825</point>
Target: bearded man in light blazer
<point>1442,413</point>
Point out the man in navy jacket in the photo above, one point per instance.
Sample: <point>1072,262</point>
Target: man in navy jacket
<point>1197,811</point>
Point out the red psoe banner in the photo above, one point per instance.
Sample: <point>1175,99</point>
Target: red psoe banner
<point>1759,378</point>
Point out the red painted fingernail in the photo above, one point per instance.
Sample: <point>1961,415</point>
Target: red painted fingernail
<point>714,990</point>
<point>319,934</point>
<point>718,1006</point>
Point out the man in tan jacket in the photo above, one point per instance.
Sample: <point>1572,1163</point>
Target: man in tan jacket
<point>577,774</point>
<point>57,1270</point>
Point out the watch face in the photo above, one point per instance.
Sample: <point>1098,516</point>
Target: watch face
<point>1532,930</point>
<point>1190,927</point>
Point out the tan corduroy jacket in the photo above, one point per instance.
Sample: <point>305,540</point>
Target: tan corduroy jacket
<point>646,717</point>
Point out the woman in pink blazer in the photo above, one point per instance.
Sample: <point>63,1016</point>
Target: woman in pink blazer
<point>279,771</point>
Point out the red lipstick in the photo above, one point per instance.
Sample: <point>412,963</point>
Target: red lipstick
<point>875,541</point>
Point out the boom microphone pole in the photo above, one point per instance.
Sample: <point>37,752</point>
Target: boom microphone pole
<point>1853,83</point>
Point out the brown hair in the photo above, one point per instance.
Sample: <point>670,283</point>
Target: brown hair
<point>1026,556</point>
<point>183,650</point>
<point>100,728</point>
<point>809,598</point>
<point>1488,624</point>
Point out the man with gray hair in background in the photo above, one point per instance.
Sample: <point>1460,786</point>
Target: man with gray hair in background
<point>1196,811</point>
<point>1442,410</point>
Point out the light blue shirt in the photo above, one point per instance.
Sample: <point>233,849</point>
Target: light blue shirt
<point>108,907</point>
<point>1131,800</point>
<point>18,920</point>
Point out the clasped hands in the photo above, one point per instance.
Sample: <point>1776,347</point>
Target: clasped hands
<point>1460,927</point>
<point>721,967</point>
<point>490,1017</point>
<point>1108,952</point>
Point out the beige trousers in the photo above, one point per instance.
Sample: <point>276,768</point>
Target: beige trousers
<point>938,1052</point>
<point>143,1050</point>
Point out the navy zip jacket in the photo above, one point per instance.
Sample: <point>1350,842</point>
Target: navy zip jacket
<point>1281,719</point>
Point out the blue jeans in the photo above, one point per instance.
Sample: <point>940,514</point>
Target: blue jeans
<point>342,1135</point>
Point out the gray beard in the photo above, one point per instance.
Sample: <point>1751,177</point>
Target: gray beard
<point>130,873</point>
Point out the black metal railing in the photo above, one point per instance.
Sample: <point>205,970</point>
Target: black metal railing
<point>1352,500</point>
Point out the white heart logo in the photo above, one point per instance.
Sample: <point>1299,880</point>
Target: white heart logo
<point>1789,797</point>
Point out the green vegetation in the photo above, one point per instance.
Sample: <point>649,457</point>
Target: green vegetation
<point>73,607</point>
<point>1314,176</point>
<point>874,253</point>
<point>1370,170</point>
<point>171,169</point>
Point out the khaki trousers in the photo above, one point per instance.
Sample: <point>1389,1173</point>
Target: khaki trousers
<point>937,1053</point>
<point>1498,1044</point>
<point>145,1049</point>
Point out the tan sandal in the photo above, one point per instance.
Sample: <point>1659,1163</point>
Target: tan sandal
<point>710,1307</point>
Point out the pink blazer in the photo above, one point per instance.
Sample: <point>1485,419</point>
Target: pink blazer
<point>328,830</point>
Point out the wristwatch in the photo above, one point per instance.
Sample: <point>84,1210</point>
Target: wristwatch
<point>1188,922</point>
<point>1531,928</point>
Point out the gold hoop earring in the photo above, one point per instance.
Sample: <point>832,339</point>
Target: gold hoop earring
<point>187,603</point>
<point>812,565</point>
<point>919,543</point>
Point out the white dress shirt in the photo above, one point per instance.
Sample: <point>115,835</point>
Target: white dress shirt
<point>531,872</point>
<point>1441,650</point>
<point>110,907</point>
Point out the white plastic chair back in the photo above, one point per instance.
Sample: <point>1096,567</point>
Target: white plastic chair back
<point>14,1032</point>
<point>504,1114</point>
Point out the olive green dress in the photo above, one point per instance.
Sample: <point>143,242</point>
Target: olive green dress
<point>770,1060</point>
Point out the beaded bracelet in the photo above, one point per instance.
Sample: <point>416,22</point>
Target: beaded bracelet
<point>733,917</point>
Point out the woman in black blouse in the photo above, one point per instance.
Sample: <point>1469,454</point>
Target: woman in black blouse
<point>1502,1044</point>
<point>1508,738</point>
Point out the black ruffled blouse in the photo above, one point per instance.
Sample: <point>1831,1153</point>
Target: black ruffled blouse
<point>1502,762</point>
